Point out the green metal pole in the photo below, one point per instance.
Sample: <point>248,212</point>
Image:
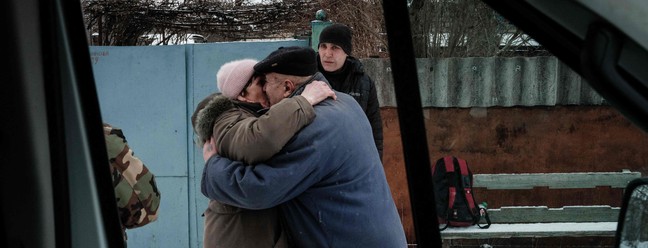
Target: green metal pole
<point>317,26</point>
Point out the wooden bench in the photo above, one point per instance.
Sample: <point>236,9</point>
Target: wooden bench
<point>541,221</point>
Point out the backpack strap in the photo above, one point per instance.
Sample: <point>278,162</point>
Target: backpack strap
<point>452,190</point>
<point>467,187</point>
<point>466,183</point>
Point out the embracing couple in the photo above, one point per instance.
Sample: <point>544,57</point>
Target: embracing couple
<point>289,162</point>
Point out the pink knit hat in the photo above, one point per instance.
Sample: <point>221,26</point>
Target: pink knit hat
<point>232,76</point>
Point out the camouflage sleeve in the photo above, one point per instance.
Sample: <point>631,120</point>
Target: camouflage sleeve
<point>136,192</point>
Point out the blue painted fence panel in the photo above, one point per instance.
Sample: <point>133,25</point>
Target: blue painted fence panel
<point>150,92</point>
<point>143,91</point>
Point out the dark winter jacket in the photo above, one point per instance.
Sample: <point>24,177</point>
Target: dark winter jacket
<point>352,79</point>
<point>328,180</point>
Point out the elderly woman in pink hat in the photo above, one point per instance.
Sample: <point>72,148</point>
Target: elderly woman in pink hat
<point>244,128</point>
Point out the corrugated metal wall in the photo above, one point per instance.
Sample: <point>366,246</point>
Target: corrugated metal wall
<point>489,82</point>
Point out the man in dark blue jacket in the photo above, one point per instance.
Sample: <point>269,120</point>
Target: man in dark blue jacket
<point>328,180</point>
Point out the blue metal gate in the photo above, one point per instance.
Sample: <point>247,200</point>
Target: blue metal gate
<point>150,92</point>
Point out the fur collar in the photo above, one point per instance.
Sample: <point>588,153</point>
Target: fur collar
<point>206,117</point>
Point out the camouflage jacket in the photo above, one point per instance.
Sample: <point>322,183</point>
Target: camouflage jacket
<point>136,192</point>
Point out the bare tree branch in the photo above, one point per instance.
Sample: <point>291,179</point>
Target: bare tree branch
<point>440,28</point>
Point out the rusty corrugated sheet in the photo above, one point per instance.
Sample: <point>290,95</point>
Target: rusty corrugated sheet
<point>489,82</point>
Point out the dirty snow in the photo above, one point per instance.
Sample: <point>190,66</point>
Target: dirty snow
<point>533,230</point>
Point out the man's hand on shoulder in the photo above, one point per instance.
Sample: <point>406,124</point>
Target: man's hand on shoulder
<point>317,91</point>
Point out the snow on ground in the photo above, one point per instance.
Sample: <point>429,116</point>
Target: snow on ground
<point>533,230</point>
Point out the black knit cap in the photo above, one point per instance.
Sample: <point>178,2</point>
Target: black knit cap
<point>338,34</point>
<point>294,60</point>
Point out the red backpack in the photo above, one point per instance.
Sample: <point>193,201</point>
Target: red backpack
<point>455,199</point>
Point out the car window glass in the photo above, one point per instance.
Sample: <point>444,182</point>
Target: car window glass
<point>491,94</point>
<point>494,96</point>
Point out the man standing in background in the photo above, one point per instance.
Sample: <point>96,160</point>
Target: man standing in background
<point>346,74</point>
